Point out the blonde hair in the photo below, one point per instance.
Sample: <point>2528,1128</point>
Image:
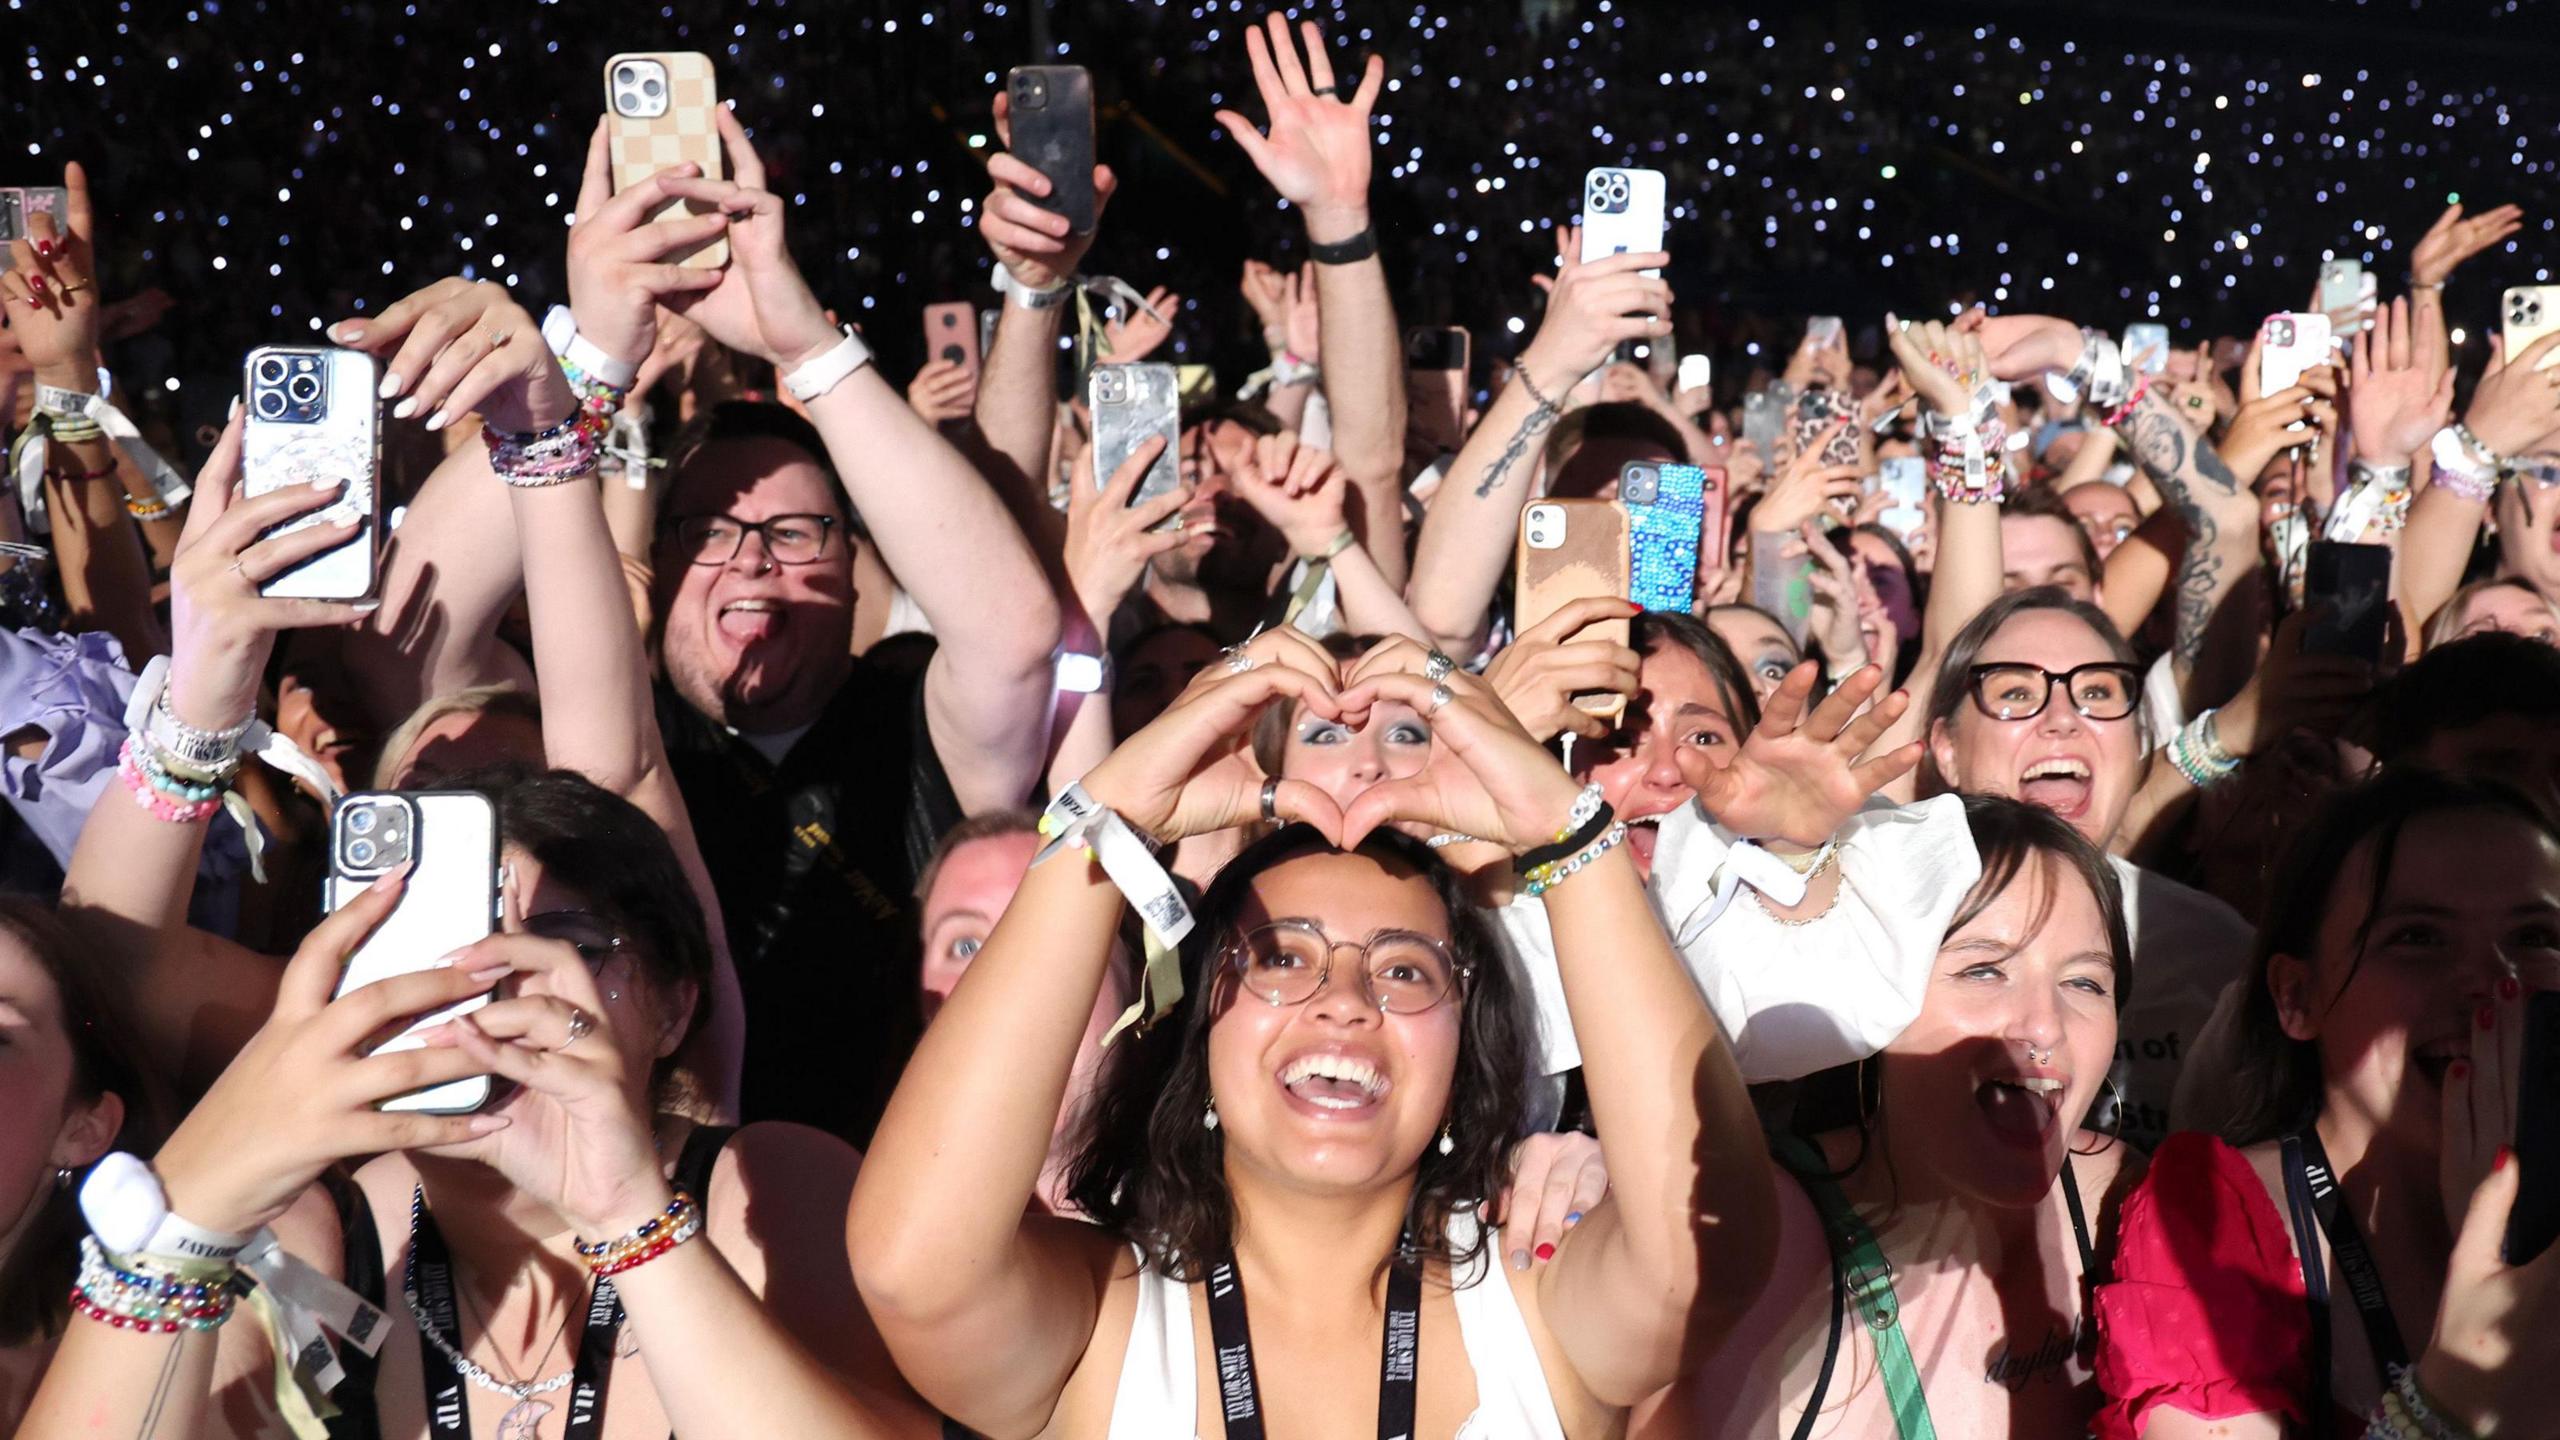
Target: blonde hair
<point>475,700</point>
<point>2446,624</point>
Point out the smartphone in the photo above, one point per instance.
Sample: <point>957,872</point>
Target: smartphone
<point>1666,513</point>
<point>2531,312</point>
<point>1697,372</point>
<point>18,204</point>
<point>449,839</point>
<point>314,415</point>
<point>2535,1220</point>
<point>2146,346</point>
<point>659,109</point>
<point>2341,285</point>
<point>1823,330</point>
<point>2292,344</point>
<point>1904,479</point>
<point>951,333</point>
<point>1621,213</point>
<point>1763,420</point>
<point>1052,121</point>
<point>2356,581</point>
<point>1130,403</point>
<point>1572,550</point>
<point>1817,411</point>
<point>1435,366</point>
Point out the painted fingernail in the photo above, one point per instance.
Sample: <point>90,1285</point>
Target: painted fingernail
<point>405,408</point>
<point>1546,1250</point>
<point>390,384</point>
<point>2508,988</point>
<point>1573,1217</point>
<point>489,1124</point>
<point>436,421</point>
<point>2488,1016</point>
<point>234,412</point>
<point>35,282</point>
<point>364,607</point>
<point>1519,1259</point>
<point>487,973</point>
<point>2458,1070</point>
<point>2499,1160</point>
<point>346,332</point>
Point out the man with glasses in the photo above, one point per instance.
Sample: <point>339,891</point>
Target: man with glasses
<point>818,780</point>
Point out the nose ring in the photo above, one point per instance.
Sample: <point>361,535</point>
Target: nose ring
<point>2041,1057</point>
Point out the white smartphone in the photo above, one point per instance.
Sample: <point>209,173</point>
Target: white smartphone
<point>1622,213</point>
<point>1823,329</point>
<point>449,839</point>
<point>2531,312</point>
<point>314,416</point>
<point>2146,346</point>
<point>2341,284</point>
<point>2292,343</point>
<point>1697,372</point>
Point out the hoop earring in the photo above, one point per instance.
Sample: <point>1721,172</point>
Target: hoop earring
<point>2115,1136</point>
<point>1209,1114</point>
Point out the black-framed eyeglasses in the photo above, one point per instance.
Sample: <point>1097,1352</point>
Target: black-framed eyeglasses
<point>2104,690</point>
<point>590,934</point>
<point>717,539</point>
<point>1288,961</point>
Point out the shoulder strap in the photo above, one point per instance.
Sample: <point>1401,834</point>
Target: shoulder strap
<point>1830,1356</point>
<point>2089,1275</point>
<point>1860,1269</point>
<point>2315,1281</point>
<point>358,1418</point>
<point>701,1152</point>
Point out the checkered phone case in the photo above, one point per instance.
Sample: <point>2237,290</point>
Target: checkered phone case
<point>686,131</point>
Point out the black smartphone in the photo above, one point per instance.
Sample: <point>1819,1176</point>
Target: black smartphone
<point>2356,581</point>
<point>2535,1221</point>
<point>1053,133</point>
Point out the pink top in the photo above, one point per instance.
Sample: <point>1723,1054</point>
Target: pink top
<point>2206,1311</point>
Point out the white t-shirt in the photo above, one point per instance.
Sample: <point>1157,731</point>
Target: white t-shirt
<point>1794,998</point>
<point>2187,946</point>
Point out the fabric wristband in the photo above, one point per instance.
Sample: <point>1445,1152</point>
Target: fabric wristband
<point>1345,252</point>
<point>1076,818</point>
<point>1029,298</point>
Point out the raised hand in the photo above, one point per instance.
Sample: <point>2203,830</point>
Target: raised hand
<point>1039,246</point>
<point>2454,239</point>
<point>2022,347</point>
<point>1109,541</point>
<point>1939,361</point>
<point>459,346</point>
<point>1297,488</point>
<point>2479,1099</point>
<point>943,390</point>
<point>1592,308</point>
<point>1140,329</point>
<point>1486,777</point>
<point>1189,771</point>
<point>1839,612</point>
<point>1804,488</point>
<point>2293,690</point>
<point>1798,777</point>
<point>1537,675</point>
<point>1301,326</point>
<point>762,306</point>
<point>221,629</point>
<point>2395,401</point>
<point>620,264</point>
<point>2518,401</point>
<point>50,290</point>
<point>2497,1334</point>
<point>1266,290</point>
<point>1316,153</point>
<point>300,1095</point>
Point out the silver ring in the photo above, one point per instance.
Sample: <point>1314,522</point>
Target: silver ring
<point>1440,695</point>
<point>1271,798</point>
<point>1436,667</point>
<point>581,1025</point>
<point>1238,662</point>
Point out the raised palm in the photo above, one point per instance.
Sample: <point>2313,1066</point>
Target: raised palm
<point>1798,777</point>
<point>1316,151</point>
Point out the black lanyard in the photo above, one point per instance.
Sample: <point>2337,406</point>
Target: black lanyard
<point>2311,1190</point>
<point>448,1408</point>
<point>1400,1354</point>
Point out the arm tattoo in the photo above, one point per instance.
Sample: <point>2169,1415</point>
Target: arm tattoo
<point>1542,418</point>
<point>2185,469</point>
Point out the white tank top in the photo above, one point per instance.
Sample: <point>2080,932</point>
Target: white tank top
<point>1159,1377</point>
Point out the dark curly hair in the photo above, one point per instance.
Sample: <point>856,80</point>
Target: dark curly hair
<point>1151,1172</point>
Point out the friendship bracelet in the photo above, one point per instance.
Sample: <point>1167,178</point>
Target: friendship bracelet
<point>193,747</point>
<point>135,1294</point>
<point>1589,816</point>
<point>566,451</point>
<point>1540,885</point>
<point>2471,485</point>
<point>149,797</point>
<point>2117,416</point>
<point>2196,752</point>
<point>660,1233</point>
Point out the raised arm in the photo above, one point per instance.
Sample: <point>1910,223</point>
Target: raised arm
<point>940,526</point>
<point>1300,490</point>
<point>1316,155</point>
<point>1467,535</point>
<point>2221,515</point>
<point>2511,409</point>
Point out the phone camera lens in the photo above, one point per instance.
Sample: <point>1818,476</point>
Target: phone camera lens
<point>304,389</point>
<point>360,852</point>
<point>361,821</point>
<point>622,75</point>
<point>652,89</point>
<point>271,369</point>
<point>270,404</point>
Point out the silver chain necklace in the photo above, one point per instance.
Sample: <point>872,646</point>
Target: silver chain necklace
<point>517,1390</point>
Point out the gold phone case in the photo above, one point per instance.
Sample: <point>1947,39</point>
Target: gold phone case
<point>1573,550</point>
<point>641,146</point>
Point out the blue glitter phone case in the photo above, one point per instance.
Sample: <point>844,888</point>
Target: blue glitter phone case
<point>1666,507</point>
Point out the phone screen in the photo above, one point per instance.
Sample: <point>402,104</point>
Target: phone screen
<point>2355,582</point>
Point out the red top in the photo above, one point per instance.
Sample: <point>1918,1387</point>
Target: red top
<point>2206,1312</point>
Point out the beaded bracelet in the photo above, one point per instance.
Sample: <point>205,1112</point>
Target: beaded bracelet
<point>80,477</point>
<point>2196,752</point>
<point>1565,870</point>
<point>2405,1413</point>
<point>152,509</point>
<point>73,429</point>
<point>148,1298</point>
<point>566,451</point>
<point>660,1233</point>
<point>1582,825</point>
<point>2121,413</point>
<point>176,809</point>
<point>2477,486</point>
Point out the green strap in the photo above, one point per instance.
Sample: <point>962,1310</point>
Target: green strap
<point>1861,1263</point>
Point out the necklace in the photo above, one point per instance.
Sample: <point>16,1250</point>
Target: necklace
<point>520,1391</point>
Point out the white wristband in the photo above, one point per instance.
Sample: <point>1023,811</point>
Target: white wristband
<point>1074,818</point>
<point>1027,297</point>
<point>560,331</point>
<point>828,370</point>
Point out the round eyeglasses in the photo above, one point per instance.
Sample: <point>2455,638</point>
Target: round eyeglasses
<point>1287,961</point>
<point>2106,690</point>
<point>789,539</point>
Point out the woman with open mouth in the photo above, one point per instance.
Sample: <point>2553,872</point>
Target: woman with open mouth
<point>1932,1262</point>
<point>1284,1167</point>
<point>2275,1278</point>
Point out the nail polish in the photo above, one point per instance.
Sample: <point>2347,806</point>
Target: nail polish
<point>35,282</point>
<point>390,384</point>
<point>1519,1259</point>
<point>2458,1070</point>
<point>437,421</point>
<point>2508,989</point>
<point>2499,1160</point>
<point>1546,1250</point>
<point>1573,1217</point>
<point>405,408</point>
<point>2488,1017</point>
